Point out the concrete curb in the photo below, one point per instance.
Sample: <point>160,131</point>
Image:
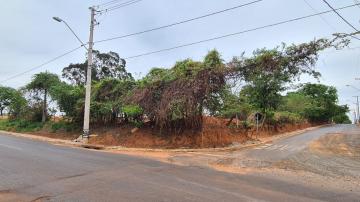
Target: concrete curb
<point>120,148</point>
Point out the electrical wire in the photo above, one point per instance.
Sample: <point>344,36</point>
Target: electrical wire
<point>179,22</point>
<point>332,27</point>
<point>347,22</point>
<point>109,3</point>
<point>237,33</point>
<point>322,18</point>
<point>127,3</point>
<point>357,2</point>
<point>43,64</point>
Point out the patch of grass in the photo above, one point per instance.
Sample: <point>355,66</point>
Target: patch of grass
<point>63,126</point>
<point>20,125</point>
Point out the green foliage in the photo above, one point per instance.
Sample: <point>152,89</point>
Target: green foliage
<point>108,98</point>
<point>132,111</point>
<point>20,125</point>
<point>268,71</point>
<point>295,103</point>
<point>12,101</point>
<point>40,85</point>
<point>341,119</point>
<point>69,99</point>
<point>178,97</point>
<point>63,126</point>
<point>42,82</point>
<point>323,107</point>
<point>105,65</point>
<point>234,105</point>
<point>284,117</point>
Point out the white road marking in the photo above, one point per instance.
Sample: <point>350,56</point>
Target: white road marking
<point>11,147</point>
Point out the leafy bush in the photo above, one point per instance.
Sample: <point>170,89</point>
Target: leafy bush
<point>287,118</point>
<point>63,125</point>
<point>132,111</point>
<point>20,125</point>
<point>341,119</point>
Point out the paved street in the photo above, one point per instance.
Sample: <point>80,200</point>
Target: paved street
<point>32,170</point>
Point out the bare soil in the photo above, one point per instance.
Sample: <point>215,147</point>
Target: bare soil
<point>57,135</point>
<point>336,155</point>
<point>215,134</point>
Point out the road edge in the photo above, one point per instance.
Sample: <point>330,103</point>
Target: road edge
<point>250,144</point>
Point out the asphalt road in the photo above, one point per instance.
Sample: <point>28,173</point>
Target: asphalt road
<point>284,148</point>
<point>38,171</point>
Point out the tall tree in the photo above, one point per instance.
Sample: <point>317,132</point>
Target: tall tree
<point>268,72</point>
<point>11,100</point>
<point>105,65</point>
<point>40,85</point>
<point>5,98</point>
<point>324,107</point>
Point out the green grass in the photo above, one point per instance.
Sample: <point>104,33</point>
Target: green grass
<point>62,125</point>
<point>20,125</point>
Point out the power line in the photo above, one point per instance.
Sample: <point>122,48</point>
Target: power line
<point>357,2</point>
<point>109,3</point>
<point>43,64</point>
<point>127,3</point>
<point>179,22</point>
<point>322,18</point>
<point>347,22</point>
<point>332,27</point>
<point>237,33</point>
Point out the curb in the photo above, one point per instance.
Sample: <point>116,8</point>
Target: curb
<point>121,148</point>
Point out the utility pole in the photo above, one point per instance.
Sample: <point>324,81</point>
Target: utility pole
<point>357,108</point>
<point>86,129</point>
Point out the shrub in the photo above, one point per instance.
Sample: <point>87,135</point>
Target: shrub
<point>287,117</point>
<point>63,125</point>
<point>20,125</point>
<point>132,111</point>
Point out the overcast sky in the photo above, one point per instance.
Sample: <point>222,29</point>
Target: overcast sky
<point>29,36</point>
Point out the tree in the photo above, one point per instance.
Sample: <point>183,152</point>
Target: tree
<point>105,65</point>
<point>268,72</point>
<point>70,100</point>
<point>108,99</point>
<point>5,98</point>
<point>11,100</point>
<point>40,85</point>
<point>295,102</point>
<point>175,99</point>
<point>323,106</point>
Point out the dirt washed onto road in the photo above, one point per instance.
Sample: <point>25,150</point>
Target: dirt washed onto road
<point>336,155</point>
<point>327,157</point>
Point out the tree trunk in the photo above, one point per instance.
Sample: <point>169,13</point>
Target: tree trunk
<point>44,114</point>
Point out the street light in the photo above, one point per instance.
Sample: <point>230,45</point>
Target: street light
<point>353,87</point>
<point>61,20</point>
<point>86,128</point>
<point>357,102</point>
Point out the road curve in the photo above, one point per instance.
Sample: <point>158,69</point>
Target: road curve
<point>33,170</point>
<point>283,148</point>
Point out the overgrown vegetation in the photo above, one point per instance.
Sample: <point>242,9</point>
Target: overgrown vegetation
<point>176,99</point>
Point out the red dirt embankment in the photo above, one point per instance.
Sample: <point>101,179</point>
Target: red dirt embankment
<point>215,133</point>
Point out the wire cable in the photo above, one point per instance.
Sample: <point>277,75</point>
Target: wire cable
<point>179,22</point>
<point>357,2</point>
<point>43,64</point>
<point>109,3</point>
<point>322,18</point>
<point>237,33</point>
<point>347,22</point>
<point>127,3</point>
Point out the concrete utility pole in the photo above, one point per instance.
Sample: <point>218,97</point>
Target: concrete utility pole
<point>86,129</point>
<point>357,108</point>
